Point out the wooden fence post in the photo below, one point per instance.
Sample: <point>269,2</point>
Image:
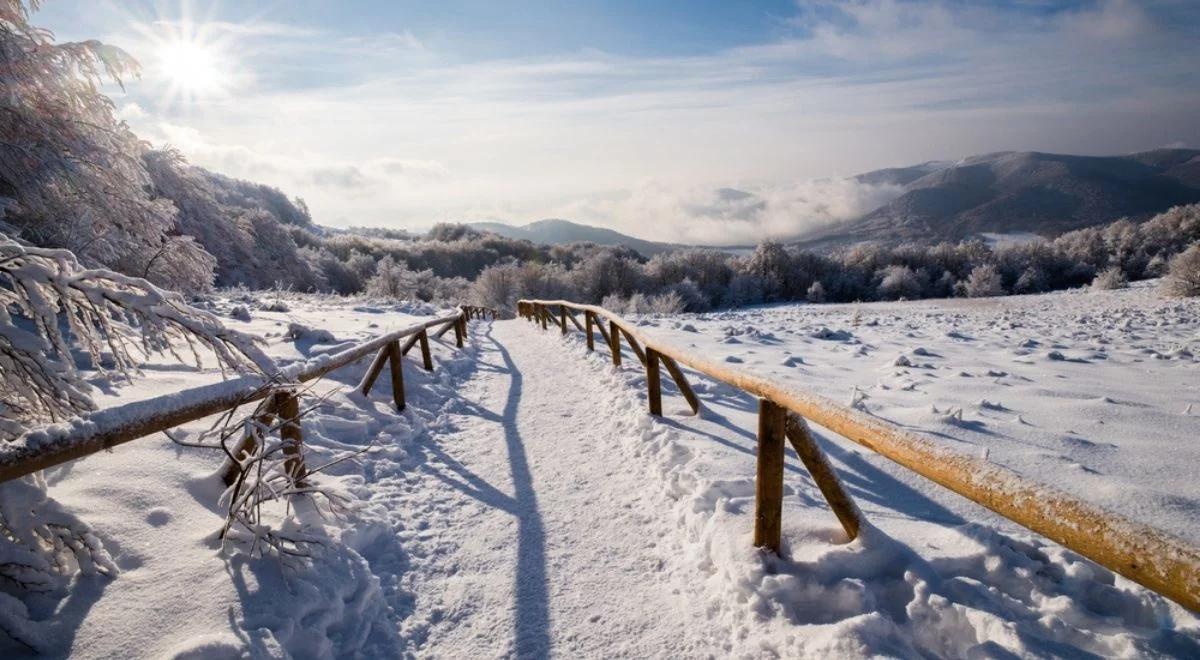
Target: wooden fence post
<point>373,372</point>
<point>653,382</point>
<point>562,310</point>
<point>589,320</point>
<point>423,337</point>
<point>614,338</point>
<point>637,349</point>
<point>681,382</point>
<point>768,484</point>
<point>460,326</point>
<point>291,434</point>
<point>395,365</point>
<point>230,469</point>
<point>823,474</point>
<point>543,313</point>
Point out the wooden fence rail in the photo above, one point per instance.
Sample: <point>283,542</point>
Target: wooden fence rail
<point>1144,554</point>
<point>52,445</point>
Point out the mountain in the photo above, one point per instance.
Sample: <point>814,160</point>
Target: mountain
<point>1020,193</point>
<point>564,232</point>
<point>902,176</point>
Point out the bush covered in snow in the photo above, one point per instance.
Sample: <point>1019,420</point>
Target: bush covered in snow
<point>638,303</point>
<point>1110,278</point>
<point>984,281</point>
<point>42,546</point>
<point>301,332</point>
<point>1183,275</point>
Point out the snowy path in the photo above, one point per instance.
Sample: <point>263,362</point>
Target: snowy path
<point>527,535</point>
<point>526,505</point>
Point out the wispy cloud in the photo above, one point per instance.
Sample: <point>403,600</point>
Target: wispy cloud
<point>386,129</point>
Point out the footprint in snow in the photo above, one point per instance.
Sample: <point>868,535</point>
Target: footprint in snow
<point>158,517</point>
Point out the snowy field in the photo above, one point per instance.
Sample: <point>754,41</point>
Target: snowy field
<point>1097,393</point>
<point>526,505</point>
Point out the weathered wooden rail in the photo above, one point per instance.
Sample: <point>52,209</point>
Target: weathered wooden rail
<point>1144,554</point>
<point>476,312</point>
<point>49,446</point>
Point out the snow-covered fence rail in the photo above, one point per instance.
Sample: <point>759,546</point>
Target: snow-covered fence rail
<point>1144,554</point>
<point>49,446</point>
<point>476,312</point>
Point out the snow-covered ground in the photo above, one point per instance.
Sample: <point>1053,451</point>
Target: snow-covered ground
<point>1095,392</point>
<point>526,505</point>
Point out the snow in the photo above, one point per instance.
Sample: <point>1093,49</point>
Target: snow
<point>525,504</point>
<point>1084,390</point>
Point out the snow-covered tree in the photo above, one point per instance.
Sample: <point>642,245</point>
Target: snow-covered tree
<point>392,280</point>
<point>770,265</point>
<point>50,308</point>
<point>73,170</point>
<point>1110,278</point>
<point>983,282</point>
<point>815,293</point>
<point>50,304</point>
<point>896,282</point>
<point>1183,275</point>
<point>498,287</point>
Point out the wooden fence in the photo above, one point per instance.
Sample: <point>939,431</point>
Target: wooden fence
<point>42,448</point>
<point>1144,554</point>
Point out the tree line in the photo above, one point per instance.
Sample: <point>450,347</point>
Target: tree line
<point>699,279</point>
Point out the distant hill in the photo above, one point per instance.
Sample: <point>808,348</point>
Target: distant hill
<point>1020,193</point>
<point>902,176</point>
<point>565,232</point>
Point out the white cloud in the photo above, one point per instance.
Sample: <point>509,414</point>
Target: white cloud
<point>726,216</point>
<point>384,130</point>
<point>1111,19</point>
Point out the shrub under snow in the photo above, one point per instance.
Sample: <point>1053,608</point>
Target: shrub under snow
<point>1183,275</point>
<point>983,282</point>
<point>1110,278</point>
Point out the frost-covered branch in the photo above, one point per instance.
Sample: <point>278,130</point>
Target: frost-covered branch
<point>50,305</point>
<point>266,477</point>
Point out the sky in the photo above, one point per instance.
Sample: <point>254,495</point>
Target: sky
<point>710,122</point>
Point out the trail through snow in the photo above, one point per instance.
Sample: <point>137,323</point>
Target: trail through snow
<point>526,505</point>
<point>532,536</point>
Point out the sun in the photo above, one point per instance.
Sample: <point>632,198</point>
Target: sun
<point>191,63</point>
<point>192,69</point>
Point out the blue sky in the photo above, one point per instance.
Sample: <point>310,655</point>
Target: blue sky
<point>634,114</point>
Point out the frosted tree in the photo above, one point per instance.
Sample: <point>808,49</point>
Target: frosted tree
<point>770,266</point>
<point>1110,278</point>
<point>497,287</point>
<point>1183,275</point>
<point>816,293</point>
<point>392,280</point>
<point>50,304</point>
<point>897,282</point>
<point>72,170</point>
<point>984,281</point>
<point>50,308</point>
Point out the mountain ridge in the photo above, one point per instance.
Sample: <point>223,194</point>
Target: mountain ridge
<point>1012,192</point>
<point>1003,192</point>
<point>556,231</point>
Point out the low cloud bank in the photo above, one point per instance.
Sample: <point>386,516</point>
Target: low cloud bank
<point>744,214</point>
